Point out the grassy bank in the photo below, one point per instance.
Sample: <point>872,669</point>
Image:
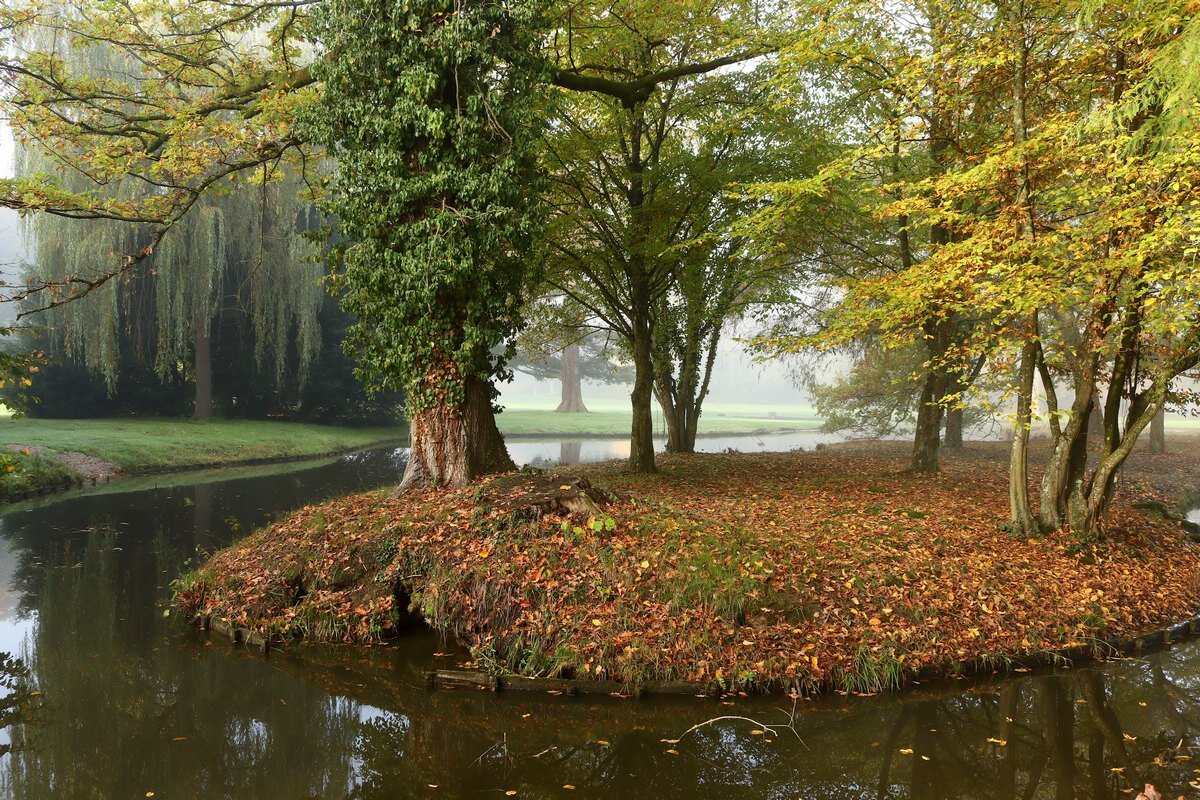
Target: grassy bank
<point>817,569</point>
<point>61,451</point>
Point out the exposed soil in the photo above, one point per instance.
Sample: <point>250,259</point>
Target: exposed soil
<point>91,470</point>
<point>835,568</point>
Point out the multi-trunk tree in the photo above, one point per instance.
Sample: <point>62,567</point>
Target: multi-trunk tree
<point>1071,220</point>
<point>642,164</point>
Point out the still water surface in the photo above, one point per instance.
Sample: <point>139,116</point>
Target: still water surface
<point>131,702</point>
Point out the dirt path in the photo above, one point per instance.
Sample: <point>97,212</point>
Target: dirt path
<point>91,470</point>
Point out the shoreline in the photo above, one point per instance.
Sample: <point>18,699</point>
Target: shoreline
<point>650,593</point>
<point>527,437</point>
<point>1098,652</point>
<point>71,471</point>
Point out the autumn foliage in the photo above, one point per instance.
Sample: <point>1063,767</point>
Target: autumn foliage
<point>785,569</point>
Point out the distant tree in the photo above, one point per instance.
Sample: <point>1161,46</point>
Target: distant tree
<point>240,250</point>
<point>591,357</point>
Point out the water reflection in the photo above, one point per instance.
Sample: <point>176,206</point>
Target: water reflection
<point>128,702</point>
<point>547,452</point>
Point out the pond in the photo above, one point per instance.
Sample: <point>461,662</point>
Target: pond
<point>119,701</point>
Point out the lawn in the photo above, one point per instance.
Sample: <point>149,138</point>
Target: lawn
<point>152,445</point>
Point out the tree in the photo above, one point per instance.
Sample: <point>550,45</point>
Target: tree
<point>621,171</point>
<point>428,109</point>
<point>897,86</point>
<point>206,92</point>
<point>570,357</point>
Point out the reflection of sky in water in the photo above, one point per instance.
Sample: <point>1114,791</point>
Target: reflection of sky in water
<point>583,451</point>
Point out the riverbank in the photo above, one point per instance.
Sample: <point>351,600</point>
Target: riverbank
<point>537,423</point>
<point>49,454</point>
<point>830,569</point>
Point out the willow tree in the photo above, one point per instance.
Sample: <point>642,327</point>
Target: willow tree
<point>242,253</point>
<point>429,110</point>
<point>201,92</point>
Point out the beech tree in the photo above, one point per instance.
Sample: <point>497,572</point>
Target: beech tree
<point>428,109</point>
<point>1072,225</point>
<point>899,87</point>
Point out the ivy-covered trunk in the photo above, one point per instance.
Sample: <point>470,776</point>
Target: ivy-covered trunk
<point>453,445</point>
<point>572,385</point>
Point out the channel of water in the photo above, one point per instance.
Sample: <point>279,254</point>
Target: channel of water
<point>130,702</point>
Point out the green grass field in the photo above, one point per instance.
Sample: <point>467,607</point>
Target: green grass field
<point>613,419</point>
<point>139,445</point>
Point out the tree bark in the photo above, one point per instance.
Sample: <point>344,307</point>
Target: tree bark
<point>1021,517</point>
<point>453,445</point>
<point>641,302</point>
<point>1158,432</point>
<point>572,385</point>
<point>928,436</point>
<point>641,435</point>
<point>203,408</point>
<point>1069,457</point>
<point>954,429</point>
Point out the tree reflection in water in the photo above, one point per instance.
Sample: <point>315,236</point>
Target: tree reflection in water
<point>124,716</point>
<point>119,701</point>
<point>1083,733</point>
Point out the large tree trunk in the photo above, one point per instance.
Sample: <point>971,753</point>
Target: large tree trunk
<point>203,408</point>
<point>927,439</point>
<point>454,444</point>
<point>641,435</point>
<point>954,429</point>
<point>572,386</point>
<point>1158,432</point>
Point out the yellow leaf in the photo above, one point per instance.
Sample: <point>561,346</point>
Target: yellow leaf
<point>568,786</point>
<point>906,751</point>
<point>597,623</point>
<point>757,732</point>
<point>565,486</point>
<point>510,793</point>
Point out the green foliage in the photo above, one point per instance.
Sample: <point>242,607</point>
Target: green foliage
<point>428,109</point>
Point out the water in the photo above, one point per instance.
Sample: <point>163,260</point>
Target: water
<point>582,451</point>
<point>132,703</point>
